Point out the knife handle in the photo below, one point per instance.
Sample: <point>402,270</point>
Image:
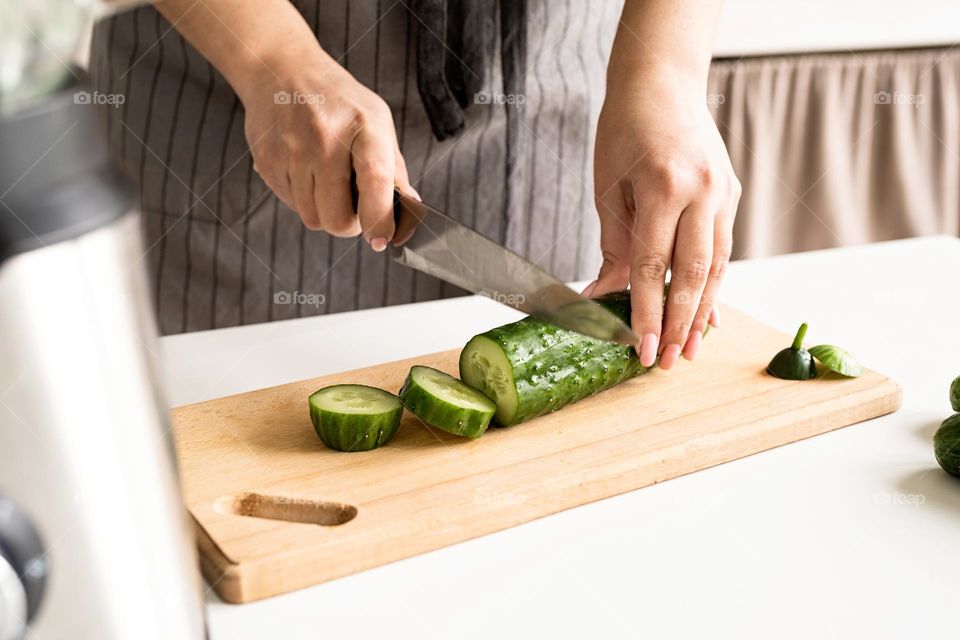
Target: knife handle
<point>355,198</point>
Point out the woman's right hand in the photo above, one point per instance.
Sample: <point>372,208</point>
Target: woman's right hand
<point>310,126</point>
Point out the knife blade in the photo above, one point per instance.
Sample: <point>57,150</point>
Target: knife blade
<point>442,247</point>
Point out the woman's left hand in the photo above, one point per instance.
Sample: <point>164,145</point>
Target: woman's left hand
<point>666,195</point>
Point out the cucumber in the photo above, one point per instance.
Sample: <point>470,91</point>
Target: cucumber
<point>529,368</point>
<point>955,394</point>
<point>444,402</point>
<point>946,445</point>
<point>354,417</point>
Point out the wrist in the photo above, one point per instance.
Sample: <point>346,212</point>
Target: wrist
<point>276,66</point>
<point>626,78</point>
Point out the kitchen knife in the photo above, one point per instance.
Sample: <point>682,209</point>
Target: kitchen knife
<point>444,248</point>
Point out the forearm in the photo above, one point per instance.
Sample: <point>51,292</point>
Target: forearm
<point>664,36</point>
<point>246,41</point>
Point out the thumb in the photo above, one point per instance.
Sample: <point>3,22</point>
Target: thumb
<point>615,236</point>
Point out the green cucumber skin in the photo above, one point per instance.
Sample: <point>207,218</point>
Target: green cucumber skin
<point>553,367</point>
<point>946,445</point>
<point>955,394</point>
<point>343,432</point>
<point>442,415</point>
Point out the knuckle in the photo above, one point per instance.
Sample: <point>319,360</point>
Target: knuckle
<point>719,267</point>
<point>359,119</point>
<point>376,108</point>
<point>369,114</point>
<point>378,172</point>
<point>680,327</point>
<point>342,227</point>
<point>695,269</point>
<point>670,178</point>
<point>705,176</point>
<point>651,268</point>
<point>291,143</point>
<point>311,222</point>
<point>647,315</point>
<point>321,129</point>
<point>610,259</point>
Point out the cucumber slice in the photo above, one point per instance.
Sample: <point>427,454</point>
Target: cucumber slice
<point>529,368</point>
<point>444,402</point>
<point>484,365</point>
<point>355,417</point>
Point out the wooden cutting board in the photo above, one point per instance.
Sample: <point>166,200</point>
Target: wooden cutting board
<point>277,511</point>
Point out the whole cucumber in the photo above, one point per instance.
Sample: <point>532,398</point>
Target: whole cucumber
<point>529,368</point>
<point>955,394</point>
<point>946,445</point>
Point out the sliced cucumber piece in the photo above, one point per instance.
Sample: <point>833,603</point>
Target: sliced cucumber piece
<point>355,417</point>
<point>484,365</point>
<point>837,360</point>
<point>442,401</point>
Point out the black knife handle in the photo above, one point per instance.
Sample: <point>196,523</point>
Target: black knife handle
<point>355,197</point>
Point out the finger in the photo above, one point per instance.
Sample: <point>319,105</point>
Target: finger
<point>616,221</point>
<point>280,186</point>
<point>407,220</point>
<point>375,166</point>
<point>334,200</point>
<point>693,251</point>
<point>707,311</point>
<point>715,317</point>
<point>302,188</point>
<point>653,236</point>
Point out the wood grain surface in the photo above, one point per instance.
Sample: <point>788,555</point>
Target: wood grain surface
<point>275,510</point>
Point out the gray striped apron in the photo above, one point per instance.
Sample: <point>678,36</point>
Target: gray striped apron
<point>223,251</point>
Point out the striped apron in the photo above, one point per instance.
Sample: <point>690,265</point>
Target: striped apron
<point>223,251</point>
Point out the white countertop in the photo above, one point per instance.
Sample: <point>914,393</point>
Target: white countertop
<point>851,534</point>
<point>762,27</point>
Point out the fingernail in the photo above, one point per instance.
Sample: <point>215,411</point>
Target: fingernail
<point>693,345</point>
<point>589,290</point>
<point>670,356</point>
<point>378,244</point>
<point>715,318</point>
<point>648,349</point>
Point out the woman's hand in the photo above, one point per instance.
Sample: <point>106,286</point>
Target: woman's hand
<point>310,125</point>
<point>666,195</point>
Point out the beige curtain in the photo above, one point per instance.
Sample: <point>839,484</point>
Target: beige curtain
<point>839,149</point>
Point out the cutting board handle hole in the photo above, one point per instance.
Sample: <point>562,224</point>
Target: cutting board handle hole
<point>301,509</point>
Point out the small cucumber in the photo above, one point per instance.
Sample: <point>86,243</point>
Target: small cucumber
<point>794,362</point>
<point>946,445</point>
<point>442,401</point>
<point>355,417</point>
<point>837,360</point>
<point>955,394</point>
